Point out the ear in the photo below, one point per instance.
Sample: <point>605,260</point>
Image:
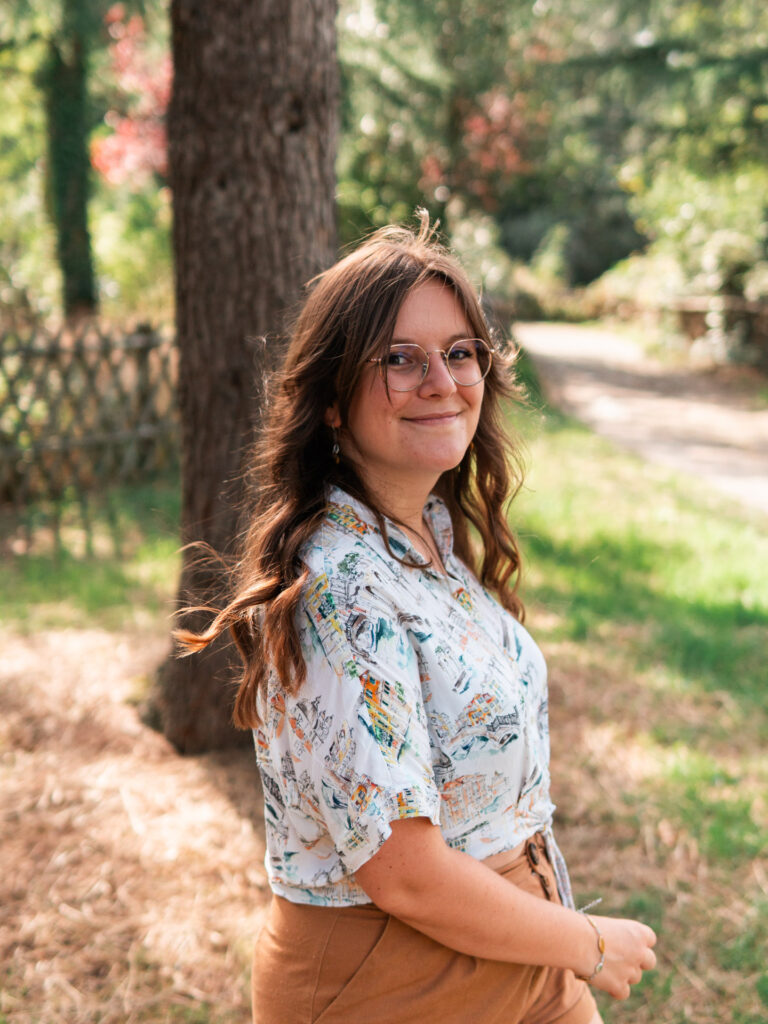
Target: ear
<point>332,415</point>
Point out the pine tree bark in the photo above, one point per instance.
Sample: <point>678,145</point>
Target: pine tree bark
<point>252,132</point>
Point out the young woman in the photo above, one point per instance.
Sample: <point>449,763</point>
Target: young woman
<point>399,707</point>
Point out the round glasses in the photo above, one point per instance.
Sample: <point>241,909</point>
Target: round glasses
<point>405,366</point>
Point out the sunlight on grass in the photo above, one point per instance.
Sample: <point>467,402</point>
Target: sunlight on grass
<point>129,579</point>
<point>720,804</point>
<point>657,575</point>
<point>649,596</point>
<point>613,540</point>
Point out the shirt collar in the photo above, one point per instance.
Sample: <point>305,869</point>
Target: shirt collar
<point>351,514</point>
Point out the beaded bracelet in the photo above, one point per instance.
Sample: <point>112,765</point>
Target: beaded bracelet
<point>601,949</point>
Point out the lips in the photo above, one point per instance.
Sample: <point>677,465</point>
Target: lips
<point>432,417</point>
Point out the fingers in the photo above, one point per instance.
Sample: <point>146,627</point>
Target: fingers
<point>650,935</point>
<point>648,961</point>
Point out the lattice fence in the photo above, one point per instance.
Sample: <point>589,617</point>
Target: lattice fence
<point>82,411</point>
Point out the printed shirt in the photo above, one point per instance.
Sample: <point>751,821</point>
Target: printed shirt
<point>423,697</point>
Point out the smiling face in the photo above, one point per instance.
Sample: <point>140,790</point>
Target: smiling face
<point>401,443</point>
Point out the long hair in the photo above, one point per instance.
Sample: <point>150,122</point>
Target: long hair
<point>348,318</point>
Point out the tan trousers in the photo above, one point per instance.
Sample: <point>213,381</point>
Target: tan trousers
<point>359,965</point>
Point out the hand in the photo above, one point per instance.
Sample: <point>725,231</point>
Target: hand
<point>628,952</point>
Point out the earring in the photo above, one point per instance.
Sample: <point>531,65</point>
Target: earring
<point>335,449</point>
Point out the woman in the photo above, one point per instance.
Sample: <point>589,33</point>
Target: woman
<point>399,706</point>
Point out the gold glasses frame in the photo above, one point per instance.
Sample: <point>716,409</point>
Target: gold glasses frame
<point>443,352</point>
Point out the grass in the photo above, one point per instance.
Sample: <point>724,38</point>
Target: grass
<point>649,596</point>
<point>128,576</point>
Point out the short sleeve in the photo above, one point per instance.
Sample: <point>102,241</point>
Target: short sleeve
<point>356,732</point>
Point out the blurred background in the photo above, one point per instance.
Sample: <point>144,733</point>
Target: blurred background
<point>618,148</point>
<point>602,171</point>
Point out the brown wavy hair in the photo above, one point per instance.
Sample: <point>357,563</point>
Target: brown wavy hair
<point>348,318</point>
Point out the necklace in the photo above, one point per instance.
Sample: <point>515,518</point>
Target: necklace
<point>431,545</point>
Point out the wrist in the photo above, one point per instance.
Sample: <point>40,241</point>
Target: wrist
<point>594,954</point>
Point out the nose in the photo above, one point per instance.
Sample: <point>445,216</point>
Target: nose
<point>438,380</point>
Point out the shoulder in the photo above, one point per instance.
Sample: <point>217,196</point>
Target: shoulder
<point>337,549</point>
<point>348,545</point>
<point>358,602</point>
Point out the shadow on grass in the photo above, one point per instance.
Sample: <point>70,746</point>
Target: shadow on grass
<point>133,533</point>
<point>612,576</point>
<point>716,644</point>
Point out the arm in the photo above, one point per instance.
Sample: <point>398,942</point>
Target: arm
<point>460,902</point>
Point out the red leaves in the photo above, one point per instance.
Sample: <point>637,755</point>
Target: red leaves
<point>138,147</point>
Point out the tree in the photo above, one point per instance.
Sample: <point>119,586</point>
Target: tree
<point>63,66</point>
<point>64,78</point>
<point>251,133</point>
<point>46,47</point>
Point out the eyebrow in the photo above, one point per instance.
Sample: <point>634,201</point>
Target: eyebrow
<point>448,341</point>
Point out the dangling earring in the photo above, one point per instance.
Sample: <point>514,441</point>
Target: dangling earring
<point>335,449</point>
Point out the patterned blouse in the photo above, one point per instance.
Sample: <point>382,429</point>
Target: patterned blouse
<point>423,697</point>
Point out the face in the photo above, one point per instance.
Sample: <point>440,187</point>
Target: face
<point>403,441</point>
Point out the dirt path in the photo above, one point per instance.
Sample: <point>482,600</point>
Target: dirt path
<point>711,423</point>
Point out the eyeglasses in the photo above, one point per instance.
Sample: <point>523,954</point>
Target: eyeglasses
<point>405,366</point>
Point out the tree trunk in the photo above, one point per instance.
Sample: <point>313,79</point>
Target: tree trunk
<point>64,79</point>
<point>252,133</point>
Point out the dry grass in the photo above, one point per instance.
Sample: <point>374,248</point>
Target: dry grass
<point>131,879</point>
<point>646,864</point>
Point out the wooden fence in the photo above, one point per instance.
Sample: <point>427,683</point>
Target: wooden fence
<point>82,411</point>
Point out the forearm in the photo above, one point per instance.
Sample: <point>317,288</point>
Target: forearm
<point>461,903</point>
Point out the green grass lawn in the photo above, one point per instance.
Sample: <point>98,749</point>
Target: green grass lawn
<point>128,578</point>
<point>655,591</point>
<point>654,573</point>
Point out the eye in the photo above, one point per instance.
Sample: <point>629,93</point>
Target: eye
<point>461,351</point>
<point>402,359</point>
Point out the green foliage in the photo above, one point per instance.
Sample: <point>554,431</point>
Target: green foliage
<point>28,274</point>
<point>476,241</point>
<point>131,231</point>
<point>132,243</point>
<point>453,106</point>
<point>574,132</point>
<point>384,139</point>
<point>713,228</point>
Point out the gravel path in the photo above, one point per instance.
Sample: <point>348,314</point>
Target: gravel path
<point>711,423</point>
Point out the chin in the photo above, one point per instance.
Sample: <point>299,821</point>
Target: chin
<point>440,466</point>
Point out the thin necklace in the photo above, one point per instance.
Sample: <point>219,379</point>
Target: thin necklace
<point>434,550</point>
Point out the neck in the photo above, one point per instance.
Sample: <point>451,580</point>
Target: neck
<point>401,502</point>
<point>406,505</point>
